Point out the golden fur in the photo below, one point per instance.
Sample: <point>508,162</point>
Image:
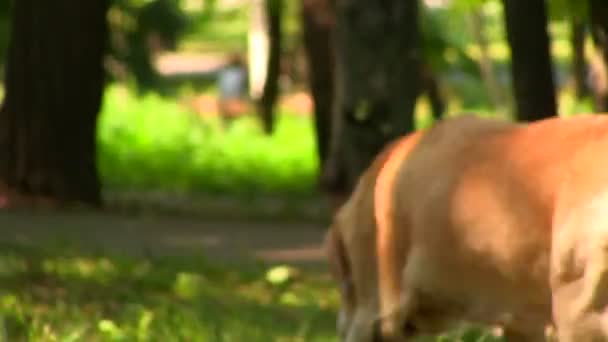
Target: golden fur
<point>456,224</point>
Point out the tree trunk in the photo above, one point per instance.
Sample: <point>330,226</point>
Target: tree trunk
<point>599,31</point>
<point>270,92</point>
<point>377,76</point>
<point>317,26</point>
<point>579,66</point>
<point>430,84</point>
<point>526,26</point>
<point>54,86</point>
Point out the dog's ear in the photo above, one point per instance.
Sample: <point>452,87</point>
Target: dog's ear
<point>339,264</point>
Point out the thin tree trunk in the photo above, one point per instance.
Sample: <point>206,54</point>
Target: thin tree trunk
<point>485,61</point>
<point>430,84</point>
<point>317,25</point>
<point>270,91</point>
<point>579,66</point>
<point>526,26</point>
<point>377,79</point>
<point>599,31</point>
<point>54,86</point>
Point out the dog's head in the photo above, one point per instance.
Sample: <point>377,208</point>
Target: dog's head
<point>353,265</point>
<point>366,269</point>
<point>351,251</point>
<point>340,268</point>
<point>358,299</point>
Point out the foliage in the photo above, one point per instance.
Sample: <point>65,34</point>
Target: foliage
<point>153,143</point>
<point>135,28</point>
<point>443,33</point>
<point>64,294</point>
<point>568,9</point>
<point>217,29</point>
<point>447,41</point>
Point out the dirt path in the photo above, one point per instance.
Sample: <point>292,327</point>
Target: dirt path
<point>270,242</point>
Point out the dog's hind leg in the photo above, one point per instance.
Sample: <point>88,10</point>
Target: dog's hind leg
<point>580,276</point>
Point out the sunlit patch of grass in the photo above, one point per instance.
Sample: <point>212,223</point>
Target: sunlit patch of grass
<point>69,295</point>
<point>154,143</point>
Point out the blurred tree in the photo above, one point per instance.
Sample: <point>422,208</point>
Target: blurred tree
<point>429,83</point>
<point>599,31</point>
<point>531,69</point>
<point>377,76</point>
<point>139,30</point>
<point>5,9</point>
<point>317,24</point>
<point>575,13</point>
<point>266,102</point>
<point>54,86</point>
<point>579,66</point>
<point>486,66</point>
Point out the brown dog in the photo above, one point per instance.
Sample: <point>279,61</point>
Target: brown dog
<point>456,224</point>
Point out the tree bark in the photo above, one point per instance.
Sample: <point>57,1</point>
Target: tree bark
<point>270,91</point>
<point>599,32</point>
<point>526,26</point>
<point>317,25</point>
<point>579,66</point>
<point>377,79</point>
<point>54,86</point>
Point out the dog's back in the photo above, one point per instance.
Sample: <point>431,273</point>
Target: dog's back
<point>456,224</point>
<point>466,230</point>
<point>392,238</point>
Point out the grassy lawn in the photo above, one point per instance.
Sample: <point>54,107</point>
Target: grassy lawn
<point>66,294</point>
<point>63,294</point>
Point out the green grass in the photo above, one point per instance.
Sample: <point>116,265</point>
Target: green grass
<point>154,143</point>
<point>67,295</point>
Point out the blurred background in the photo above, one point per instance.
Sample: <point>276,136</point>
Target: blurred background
<point>168,167</point>
<point>164,127</point>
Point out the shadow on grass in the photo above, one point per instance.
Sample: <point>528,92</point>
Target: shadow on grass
<point>71,295</point>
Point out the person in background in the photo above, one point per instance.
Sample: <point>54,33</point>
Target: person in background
<point>232,84</point>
